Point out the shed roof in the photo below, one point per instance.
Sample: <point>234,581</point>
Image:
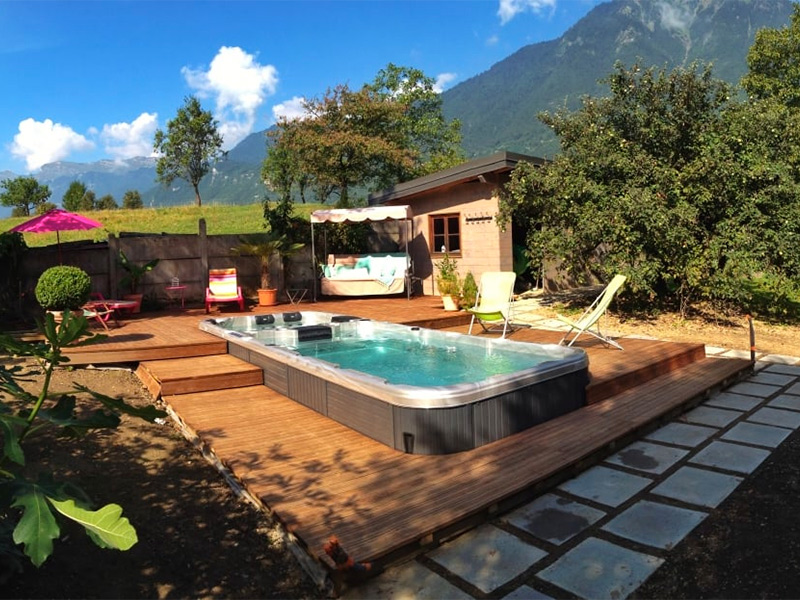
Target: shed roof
<point>471,170</point>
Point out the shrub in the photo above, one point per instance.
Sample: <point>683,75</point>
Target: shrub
<point>63,288</point>
<point>469,290</point>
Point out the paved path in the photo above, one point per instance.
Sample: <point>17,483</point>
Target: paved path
<point>604,532</point>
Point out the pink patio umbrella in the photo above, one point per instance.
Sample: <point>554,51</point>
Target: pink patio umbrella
<point>57,220</point>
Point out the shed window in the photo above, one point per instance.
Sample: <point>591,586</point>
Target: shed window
<point>445,233</point>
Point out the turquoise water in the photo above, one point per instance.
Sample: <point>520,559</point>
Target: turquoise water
<point>411,362</point>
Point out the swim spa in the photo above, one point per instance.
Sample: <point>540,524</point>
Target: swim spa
<point>416,390</point>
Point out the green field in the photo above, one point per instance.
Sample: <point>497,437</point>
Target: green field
<point>220,219</point>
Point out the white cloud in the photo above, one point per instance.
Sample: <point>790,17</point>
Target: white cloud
<point>492,40</point>
<point>42,142</point>
<point>239,86</point>
<point>675,17</point>
<point>511,8</point>
<point>128,140</point>
<point>442,80</point>
<point>291,109</point>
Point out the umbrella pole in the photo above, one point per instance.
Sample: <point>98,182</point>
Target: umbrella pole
<point>58,242</point>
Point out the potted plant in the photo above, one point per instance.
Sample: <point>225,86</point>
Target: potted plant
<point>264,248</point>
<point>448,282</point>
<point>133,277</point>
<point>63,288</point>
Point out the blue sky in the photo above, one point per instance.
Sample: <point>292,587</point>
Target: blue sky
<point>85,81</point>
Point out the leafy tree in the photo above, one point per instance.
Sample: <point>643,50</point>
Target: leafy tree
<point>188,147</point>
<point>71,200</point>
<point>436,141</point>
<point>33,503</point>
<point>89,201</point>
<point>132,199</point>
<point>45,207</point>
<point>389,131</point>
<point>107,202</point>
<point>24,193</point>
<point>669,181</point>
<point>774,63</point>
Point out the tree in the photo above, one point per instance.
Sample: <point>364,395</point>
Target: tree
<point>389,131</point>
<point>773,63</point>
<point>89,201</point>
<point>669,181</point>
<point>188,147</point>
<point>24,193</point>
<point>132,199</point>
<point>107,202</point>
<point>72,198</point>
<point>437,142</point>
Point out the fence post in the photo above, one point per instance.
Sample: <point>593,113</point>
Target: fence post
<point>113,253</point>
<point>203,241</point>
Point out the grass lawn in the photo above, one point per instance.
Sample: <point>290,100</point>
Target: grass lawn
<point>220,219</point>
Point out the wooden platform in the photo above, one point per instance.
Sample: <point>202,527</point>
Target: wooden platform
<point>321,478</point>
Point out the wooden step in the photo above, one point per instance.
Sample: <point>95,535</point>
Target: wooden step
<point>197,374</point>
<point>672,357</point>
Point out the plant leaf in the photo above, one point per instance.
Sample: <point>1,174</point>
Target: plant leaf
<point>37,528</point>
<point>106,526</point>
<point>11,445</point>
<point>148,413</point>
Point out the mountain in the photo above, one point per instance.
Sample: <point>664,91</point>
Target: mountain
<point>498,108</point>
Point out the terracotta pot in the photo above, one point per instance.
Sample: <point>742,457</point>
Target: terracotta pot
<point>136,298</point>
<point>267,297</point>
<point>450,302</point>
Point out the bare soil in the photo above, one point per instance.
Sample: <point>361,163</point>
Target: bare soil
<point>198,540</point>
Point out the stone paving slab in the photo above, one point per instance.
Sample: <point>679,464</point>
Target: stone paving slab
<point>526,592</point>
<point>771,378</point>
<point>596,568</point>
<point>790,369</point>
<point>713,417</point>
<point>795,389</point>
<point>754,433</point>
<point>781,359</point>
<point>606,486</point>
<point>777,417</point>
<point>759,390</point>
<point>487,557</point>
<point>736,354</point>
<point>655,524</point>
<point>651,458</point>
<point>785,401</point>
<point>733,401</point>
<point>553,518</point>
<point>682,434</point>
<point>731,457</point>
<point>411,581</point>
<point>698,486</point>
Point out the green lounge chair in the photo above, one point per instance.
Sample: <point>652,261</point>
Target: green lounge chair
<point>591,317</point>
<point>493,303</point>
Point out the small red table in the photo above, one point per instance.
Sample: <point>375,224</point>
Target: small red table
<point>176,291</point>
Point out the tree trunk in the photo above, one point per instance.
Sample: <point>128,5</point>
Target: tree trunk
<point>197,194</point>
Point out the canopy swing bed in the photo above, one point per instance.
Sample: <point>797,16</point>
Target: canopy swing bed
<point>375,274</point>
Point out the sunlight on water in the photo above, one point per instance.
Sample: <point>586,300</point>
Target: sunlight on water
<point>411,362</point>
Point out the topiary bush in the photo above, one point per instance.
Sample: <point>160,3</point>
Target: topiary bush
<point>63,288</point>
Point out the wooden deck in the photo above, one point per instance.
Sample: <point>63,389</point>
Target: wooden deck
<point>322,479</point>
